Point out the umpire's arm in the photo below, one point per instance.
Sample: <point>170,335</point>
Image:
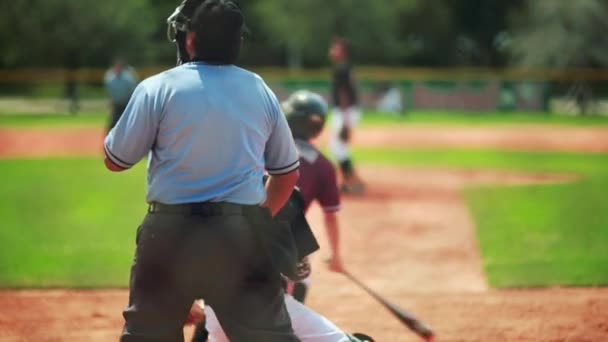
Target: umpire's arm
<point>278,190</point>
<point>132,137</point>
<point>281,159</point>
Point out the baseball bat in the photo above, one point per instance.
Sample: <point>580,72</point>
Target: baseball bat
<point>405,317</point>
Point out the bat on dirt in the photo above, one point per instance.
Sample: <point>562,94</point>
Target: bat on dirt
<point>405,317</point>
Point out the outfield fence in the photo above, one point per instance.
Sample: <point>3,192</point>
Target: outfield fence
<point>467,89</point>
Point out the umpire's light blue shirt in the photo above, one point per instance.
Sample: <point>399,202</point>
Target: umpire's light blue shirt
<point>210,132</point>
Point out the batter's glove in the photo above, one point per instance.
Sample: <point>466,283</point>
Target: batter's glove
<point>303,270</point>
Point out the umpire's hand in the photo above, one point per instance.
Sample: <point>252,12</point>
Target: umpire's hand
<point>303,270</point>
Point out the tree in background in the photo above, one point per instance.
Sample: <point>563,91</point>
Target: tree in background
<point>73,32</point>
<point>457,33</point>
<point>390,32</point>
<point>304,28</point>
<point>560,34</point>
<point>480,25</point>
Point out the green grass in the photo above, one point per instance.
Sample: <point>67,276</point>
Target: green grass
<point>487,159</point>
<point>537,235</point>
<point>70,223</point>
<point>46,90</point>
<point>67,222</point>
<point>370,119</point>
<point>457,118</point>
<point>543,235</point>
<point>85,91</point>
<point>53,120</point>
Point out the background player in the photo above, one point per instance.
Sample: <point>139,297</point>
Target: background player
<point>120,81</point>
<point>346,114</point>
<point>306,113</point>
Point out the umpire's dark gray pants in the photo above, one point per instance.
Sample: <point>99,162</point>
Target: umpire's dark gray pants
<point>182,257</point>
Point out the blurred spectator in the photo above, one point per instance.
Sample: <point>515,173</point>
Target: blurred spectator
<point>120,81</point>
<point>389,99</point>
<point>71,87</point>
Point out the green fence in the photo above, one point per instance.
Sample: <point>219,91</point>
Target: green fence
<point>441,94</point>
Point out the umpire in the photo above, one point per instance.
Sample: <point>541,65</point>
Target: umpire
<point>120,81</point>
<point>210,129</point>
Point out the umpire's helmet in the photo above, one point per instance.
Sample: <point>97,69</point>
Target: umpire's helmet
<point>306,113</point>
<point>214,22</point>
<point>178,24</point>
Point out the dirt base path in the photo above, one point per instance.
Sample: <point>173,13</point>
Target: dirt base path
<point>516,137</point>
<point>50,142</point>
<point>44,142</point>
<point>527,315</point>
<point>413,224</point>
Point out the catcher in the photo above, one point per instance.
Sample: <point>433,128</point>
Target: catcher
<point>308,325</point>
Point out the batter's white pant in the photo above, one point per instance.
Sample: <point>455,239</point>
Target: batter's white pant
<point>308,325</point>
<point>339,149</point>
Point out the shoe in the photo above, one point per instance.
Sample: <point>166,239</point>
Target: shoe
<point>359,337</point>
<point>352,189</point>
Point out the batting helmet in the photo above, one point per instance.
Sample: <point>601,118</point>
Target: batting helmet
<point>306,113</point>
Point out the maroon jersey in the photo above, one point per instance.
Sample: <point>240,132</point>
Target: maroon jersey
<point>317,178</point>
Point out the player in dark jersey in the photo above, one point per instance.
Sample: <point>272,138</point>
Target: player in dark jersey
<point>306,112</point>
<point>346,115</point>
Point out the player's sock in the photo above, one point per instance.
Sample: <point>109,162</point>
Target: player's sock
<point>299,291</point>
<point>346,167</point>
<point>350,182</point>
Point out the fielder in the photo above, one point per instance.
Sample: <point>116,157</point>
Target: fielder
<point>346,115</point>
